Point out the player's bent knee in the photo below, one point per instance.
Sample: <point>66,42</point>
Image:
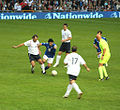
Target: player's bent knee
<point>72,81</point>
<point>49,65</point>
<point>44,60</point>
<point>32,63</point>
<point>40,61</point>
<point>100,64</point>
<point>60,52</point>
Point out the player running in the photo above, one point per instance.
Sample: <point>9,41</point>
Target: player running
<point>49,53</point>
<point>96,44</point>
<point>65,46</point>
<point>105,56</point>
<point>74,60</point>
<point>33,52</point>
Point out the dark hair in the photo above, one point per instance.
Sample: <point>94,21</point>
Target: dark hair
<point>50,40</point>
<point>66,24</point>
<point>34,36</point>
<point>99,32</point>
<point>74,48</point>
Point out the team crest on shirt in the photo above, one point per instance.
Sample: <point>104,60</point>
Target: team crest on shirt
<point>49,49</point>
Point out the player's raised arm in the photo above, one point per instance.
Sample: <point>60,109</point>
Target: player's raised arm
<point>20,45</point>
<point>86,67</point>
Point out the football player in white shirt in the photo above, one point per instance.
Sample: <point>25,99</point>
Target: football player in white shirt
<point>65,46</point>
<point>73,61</point>
<point>33,52</point>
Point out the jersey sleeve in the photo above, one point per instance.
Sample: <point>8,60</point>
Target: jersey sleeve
<point>44,44</point>
<point>105,39</point>
<point>94,41</point>
<point>55,45</point>
<point>82,61</point>
<point>27,43</point>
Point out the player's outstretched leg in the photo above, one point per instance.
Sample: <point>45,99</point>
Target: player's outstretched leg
<point>100,69</point>
<point>75,86</point>
<point>48,66</point>
<point>42,66</point>
<point>32,66</point>
<point>105,73</point>
<point>58,59</point>
<point>32,69</point>
<point>69,88</point>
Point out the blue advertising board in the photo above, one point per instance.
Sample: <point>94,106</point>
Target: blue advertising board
<point>60,15</point>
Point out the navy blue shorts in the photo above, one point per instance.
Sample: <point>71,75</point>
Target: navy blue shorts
<point>33,57</point>
<point>65,47</point>
<point>71,77</point>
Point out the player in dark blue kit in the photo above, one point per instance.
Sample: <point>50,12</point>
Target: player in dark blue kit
<point>96,44</point>
<point>49,53</point>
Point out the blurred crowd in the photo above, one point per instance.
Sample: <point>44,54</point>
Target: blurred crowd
<point>59,5</point>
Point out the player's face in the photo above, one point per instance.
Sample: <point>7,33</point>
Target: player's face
<point>65,27</point>
<point>98,36</point>
<point>50,43</point>
<point>99,33</point>
<point>35,39</point>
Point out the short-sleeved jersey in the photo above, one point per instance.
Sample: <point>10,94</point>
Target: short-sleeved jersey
<point>97,43</point>
<point>66,34</point>
<point>104,45</point>
<point>50,50</point>
<point>73,60</point>
<point>32,47</point>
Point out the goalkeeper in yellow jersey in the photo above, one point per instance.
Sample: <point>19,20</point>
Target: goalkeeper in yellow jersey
<point>105,56</point>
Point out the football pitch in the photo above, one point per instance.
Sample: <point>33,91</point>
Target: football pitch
<point>21,90</point>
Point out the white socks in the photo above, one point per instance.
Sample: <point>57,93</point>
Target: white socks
<point>69,88</point>
<point>32,67</point>
<point>75,86</point>
<point>58,59</point>
<point>43,67</point>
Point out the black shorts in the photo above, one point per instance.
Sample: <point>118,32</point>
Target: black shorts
<point>71,77</point>
<point>65,47</point>
<point>33,57</point>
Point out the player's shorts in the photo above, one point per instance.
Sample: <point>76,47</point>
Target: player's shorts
<point>65,47</point>
<point>98,56</point>
<point>49,60</point>
<point>71,77</point>
<point>33,57</point>
<point>105,59</point>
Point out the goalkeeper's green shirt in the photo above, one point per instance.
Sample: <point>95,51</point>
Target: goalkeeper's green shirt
<point>104,45</point>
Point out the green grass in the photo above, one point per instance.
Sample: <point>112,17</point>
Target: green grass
<point>21,90</point>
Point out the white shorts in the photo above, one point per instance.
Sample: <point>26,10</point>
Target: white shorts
<point>49,60</point>
<point>98,56</point>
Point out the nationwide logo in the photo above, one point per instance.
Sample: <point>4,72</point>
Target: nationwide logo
<point>114,15</point>
<point>48,16</point>
<point>73,15</point>
<point>17,16</point>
